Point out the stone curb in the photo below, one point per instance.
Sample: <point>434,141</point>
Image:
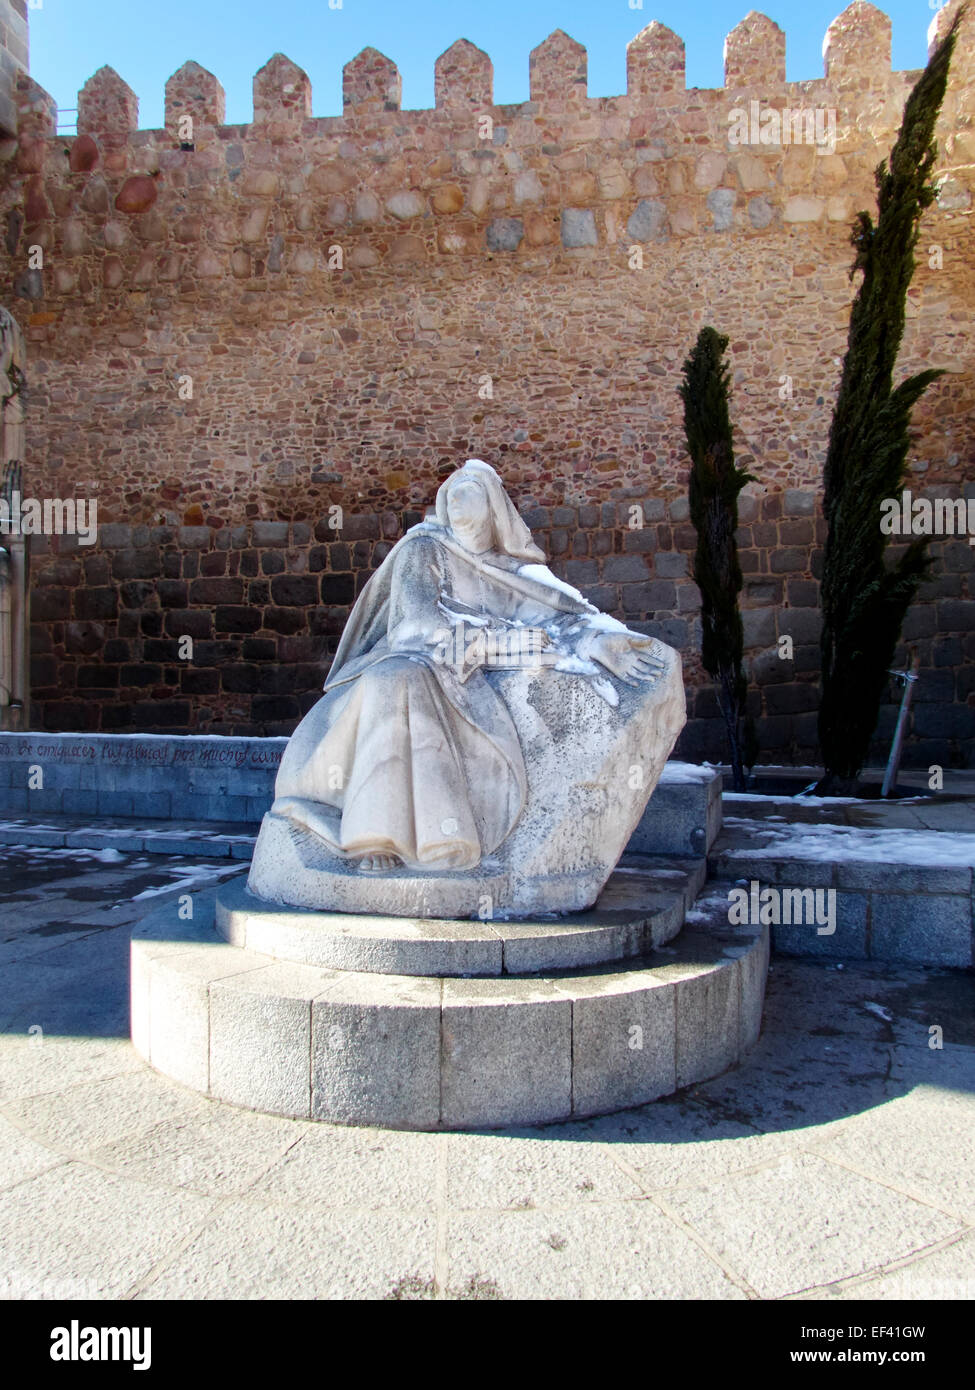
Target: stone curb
<point>903,913</point>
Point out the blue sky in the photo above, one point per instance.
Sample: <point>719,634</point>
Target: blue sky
<point>147,40</point>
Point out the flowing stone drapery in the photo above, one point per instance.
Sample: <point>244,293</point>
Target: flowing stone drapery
<point>487,739</point>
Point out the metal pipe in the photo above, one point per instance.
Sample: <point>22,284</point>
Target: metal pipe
<point>908,679</point>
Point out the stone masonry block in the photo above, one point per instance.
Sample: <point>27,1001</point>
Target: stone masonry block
<point>376,1052</point>
<point>488,1032</point>
<point>708,1017</point>
<point>682,816</point>
<point>623,1032</point>
<point>578,227</point>
<point>260,1037</point>
<point>179,1043</point>
<point>847,942</point>
<point>871,876</point>
<point>931,929</point>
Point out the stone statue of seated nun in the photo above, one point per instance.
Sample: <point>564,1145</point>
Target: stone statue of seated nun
<point>485,733</point>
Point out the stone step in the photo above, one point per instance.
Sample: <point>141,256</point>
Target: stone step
<point>415,1052</point>
<point>899,895</point>
<point>639,909</point>
<point>202,839</point>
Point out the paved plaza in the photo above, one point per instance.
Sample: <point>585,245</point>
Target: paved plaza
<point>835,1163</point>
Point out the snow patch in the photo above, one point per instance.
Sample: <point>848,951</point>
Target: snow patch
<point>879,1011</point>
<point>833,844</point>
<point>543,575</point>
<point>687,772</point>
<point>196,878</point>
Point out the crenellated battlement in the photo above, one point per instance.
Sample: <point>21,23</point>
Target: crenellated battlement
<point>856,61</point>
<point>560,172</point>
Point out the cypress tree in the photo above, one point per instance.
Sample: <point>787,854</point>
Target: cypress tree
<point>864,599</point>
<point>715,483</point>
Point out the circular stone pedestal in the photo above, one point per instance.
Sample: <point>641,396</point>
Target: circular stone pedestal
<point>374,1041</point>
<point>635,914</point>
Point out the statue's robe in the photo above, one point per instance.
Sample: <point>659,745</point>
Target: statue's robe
<point>401,756</point>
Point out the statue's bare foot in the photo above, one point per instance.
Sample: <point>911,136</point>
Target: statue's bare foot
<point>378,863</point>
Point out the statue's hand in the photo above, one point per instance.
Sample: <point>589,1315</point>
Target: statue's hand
<point>631,659</point>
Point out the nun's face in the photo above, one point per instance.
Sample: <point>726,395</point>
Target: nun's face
<point>469,515</point>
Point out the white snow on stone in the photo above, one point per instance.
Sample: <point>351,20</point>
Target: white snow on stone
<point>687,772</point>
<point>799,800</point>
<point>603,622</point>
<point>707,905</point>
<point>543,575</point>
<point>177,830</point>
<point>879,1011</point>
<point>834,844</point>
<point>576,665</point>
<point>195,877</point>
<point>607,690</point>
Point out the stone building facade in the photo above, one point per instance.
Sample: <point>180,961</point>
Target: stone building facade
<point>261,347</point>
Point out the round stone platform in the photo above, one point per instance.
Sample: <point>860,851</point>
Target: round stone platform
<point>636,912</point>
<point>424,1052</point>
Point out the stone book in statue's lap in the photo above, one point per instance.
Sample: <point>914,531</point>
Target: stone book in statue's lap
<point>487,740</point>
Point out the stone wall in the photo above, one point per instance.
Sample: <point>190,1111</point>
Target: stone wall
<point>236,332</point>
<point>166,777</point>
<point>13,60</point>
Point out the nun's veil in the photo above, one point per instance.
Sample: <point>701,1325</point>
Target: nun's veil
<point>511,535</point>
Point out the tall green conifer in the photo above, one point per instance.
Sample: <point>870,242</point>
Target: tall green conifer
<point>864,600</point>
<point>713,495</point>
